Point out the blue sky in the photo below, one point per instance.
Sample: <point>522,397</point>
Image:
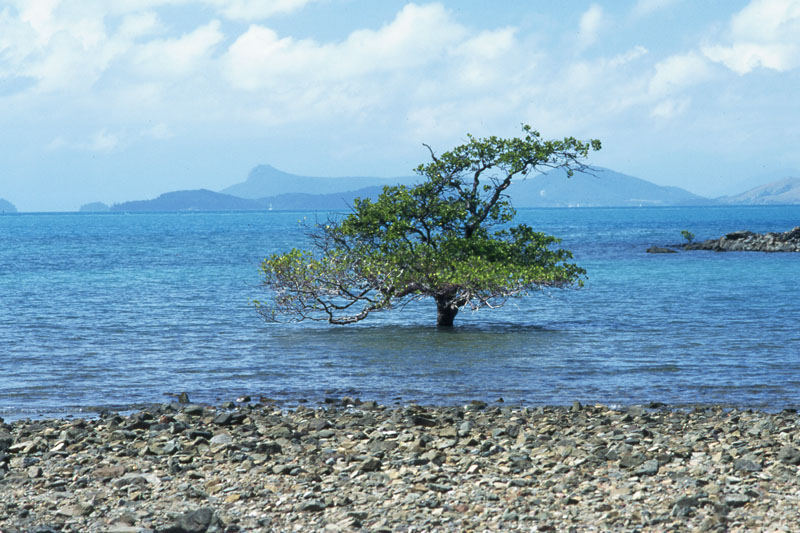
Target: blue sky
<point>114,101</point>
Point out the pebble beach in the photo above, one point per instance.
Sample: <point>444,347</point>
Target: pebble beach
<point>348,465</point>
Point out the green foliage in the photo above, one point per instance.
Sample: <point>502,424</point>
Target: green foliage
<point>688,235</point>
<point>447,238</point>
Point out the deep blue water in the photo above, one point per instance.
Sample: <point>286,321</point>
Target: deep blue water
<point>112,310</point>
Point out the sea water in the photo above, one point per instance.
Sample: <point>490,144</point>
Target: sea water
<point>114,310</point>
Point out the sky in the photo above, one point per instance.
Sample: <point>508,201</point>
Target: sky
<point>116,100</point>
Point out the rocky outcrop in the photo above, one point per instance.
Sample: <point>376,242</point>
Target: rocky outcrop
<point>747,241</point>
<point>661,250</point>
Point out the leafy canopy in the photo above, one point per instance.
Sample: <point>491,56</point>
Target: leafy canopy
<point>448,238</point>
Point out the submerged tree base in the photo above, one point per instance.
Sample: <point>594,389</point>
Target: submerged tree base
<point>445,316</point>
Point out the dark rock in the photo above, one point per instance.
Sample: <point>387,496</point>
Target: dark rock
<point>319,424</point>
<point>421,420</point>
<point>268,447</point>
<point>736,500</point>
<point>746,465</point>
<point>438,487</point>
<point>223,419</point>
<point>198,521</point>
<point>193,410</point>
<point>631,460</point>
<point>200,433</point>
<point>747,241</point>
<point>685,506</point>
<point>183,398</point>
<point>312,506</point>
<point>660,250</point>
<point>370,465</point>
<point>6,440</point>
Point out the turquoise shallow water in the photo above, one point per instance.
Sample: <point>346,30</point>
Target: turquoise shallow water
<point>112,310</point>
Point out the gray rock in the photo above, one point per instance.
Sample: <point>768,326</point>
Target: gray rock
<point>629,460</point>
<point>221,438</point>
<point>370,465</point>
<point>747,241</point>
<point>685,506</point>
<point>648,468</point>
<point>5,441</point>
<point>312,506</point>
<point>194,410</point>
<point>789,455</point>
<point>223,419</point>
<point>199,521</point>
<point>736,500</point>
<point>746,465</point>
<point>319,424</point>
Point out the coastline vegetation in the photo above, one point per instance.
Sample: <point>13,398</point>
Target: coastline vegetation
<point>448,238</point>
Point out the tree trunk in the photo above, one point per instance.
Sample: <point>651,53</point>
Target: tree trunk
<point>446,312</point>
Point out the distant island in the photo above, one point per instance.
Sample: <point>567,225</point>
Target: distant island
<point>264,181</point>
<point>267,188</point>
<point>94,207</point>
<point>783,191</point>
<point>205,200</point>
<point>7,207</point>
<point>600,187</point>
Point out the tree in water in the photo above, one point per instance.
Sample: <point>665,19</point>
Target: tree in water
<point>448,238</point>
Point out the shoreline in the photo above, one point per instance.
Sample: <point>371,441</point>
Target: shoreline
<point>92,412</point>
<point>361,466</point>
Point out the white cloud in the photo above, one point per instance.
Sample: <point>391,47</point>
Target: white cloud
<point>250,10</point>
<point>644,8</point>
<point>767,21</point>
<point>416,37</point>
<point>590,25</point>
<point>103,141</point>
<point>140,25</point>
<point>766,34</point>
<point>178,56</point>
<point>58,44</point>
<point>678,72</point>
<point>626,57</point>
<point>481,58</point>
<point>670,108</point>
<point>745,57</point>
<point>100,141</point>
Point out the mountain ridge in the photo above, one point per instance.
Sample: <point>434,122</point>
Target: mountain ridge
<point>601,187</point>
<point>778,192</point>
<point>265,180</point>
